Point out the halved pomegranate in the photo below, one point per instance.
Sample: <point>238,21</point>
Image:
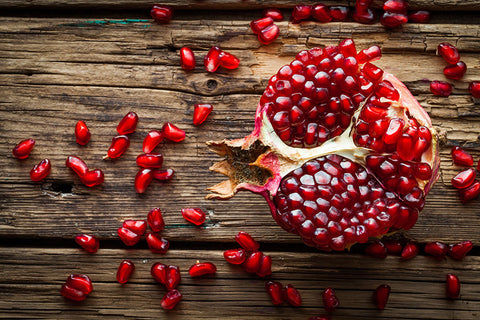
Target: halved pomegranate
<point>341,150</point>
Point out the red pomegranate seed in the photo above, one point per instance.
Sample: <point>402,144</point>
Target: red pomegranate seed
<point>253,262</point>
<point>212,59</point>
<point>137,226</point>
<point>72,293</point>
<point>77,165</point>
<point>157,244</point>
<point>235,256</point>
<point>377,250</point>
<point>474,89</point>
<point>393,20</point>
<point>128,237</point>
<point>273,13</point>
<point>125,270</point>
<point>440,88</point>
<point>161,14</point>
<point>448,52</point>
<point>163,175</point>
<point>461,157</point>
<point>173,277</point>
<point>464,178</point>
<point>301,12</point>
<point>330,300</point>
<point>321,13</point>
<point>339,13</point>
<point>265,266</point>
<point>436,249</point>
<point>41,170</point>
<point>128,124</point>
<point>159,272</point>
<point>170,299</point>
<point>396,6</point>
<point>247,242</point>
<point>394,131</point>
<point>420,16</point>
<point>194,215</point>
<point>201,112</point>
<point>470,193</point>
<point>369,55</point>
<point>423,171</point>
<point>77,287</point>
<point>152,140</point>
<point>366,16</point>
<point>260,24</point>
<point>459,250</point>
<point>276,292</point>
<point>155,220</point>
<point>93,178</point>
<point>119,145</point>
<point>150,160</point>
<point>143,179</point>
<point>453,286</point>
<point>393,247</point>
<point>87,242</point>
<point>228,60</point>
<point>410,251</point>
<point>269,34</point>
<point>187,59</point>
<point>82,134</point>
<point>292,296</point>
<point>381,296</point>
<point>23,148</point>
<point>455,71</point>
<point>202,268</point>
<point>172,132</point>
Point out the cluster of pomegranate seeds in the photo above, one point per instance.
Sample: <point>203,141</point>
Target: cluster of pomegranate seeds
<point>202,268</point>
<point>380,296</point>
<point>363,13</point>
<point>280,294</point>
<point>131,231</point>
<point>169,276</point>
<point>161,14</point>
<point>441,88</point>
<point>395,13</point>
<point>23,148</point>
<point>273,13</point>
<point>218,58</point>
<point>125,271</point>
<point>201,112</point>
<point>452,286</point>
<point>82,134</point>
<point>265,29</point>
<point>187,59</point>
<point>469,188</point>
<point>77,287</point>
<point>194,215</point>
<point>41,170</point>
<point>330,300</point>
<point>88,242</point>
<point>377,250</point>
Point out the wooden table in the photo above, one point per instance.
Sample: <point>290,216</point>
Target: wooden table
<point>64,61</point>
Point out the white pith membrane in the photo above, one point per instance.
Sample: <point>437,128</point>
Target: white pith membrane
<point>261,160</point>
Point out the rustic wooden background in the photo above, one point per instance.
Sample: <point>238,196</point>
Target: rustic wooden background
<point>67,60</point>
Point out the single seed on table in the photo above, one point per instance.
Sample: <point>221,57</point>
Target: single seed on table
<point>23,148</point>
<point>93,178</point>
<point>292,296</point>
<point>128,237</point>
<point>396,6</point>
<point>150,160</point>
<point>212,59</point>
<point>161,14</point>
<point>470,193</point>
<point>128,124</point>
<point>118,146</point>
<point>265,268</point>
<point>77,287</point>
<point>187,59</point>
<point>201,112</point>
<point>459,250</point>
<point>452,286</point>
<point>436,249</point>
<point>321,13</point>
<point>194,215</point>
<point>455,71</point>
<point>464,178</point>
<point>202,268</point>
<point>157,244</point>
<point>228,60</point>
<point>172,132</point>
<point>474,89</point>
<point>153,138</point>
<point>448,52</point>
<point>41,170</point>
<point>143,179</point>
<point>163,175</point>
<point>440,88</point>
<point>260,24</point>
<point>276,292</point>
<point>393,20</point>
<point>268,34</point>
<point>393,247</point>
<point>420,16</point>
<point>273,13</point>
<point>301,12</point>
<point>253,262</point>
<point>82,134</point>
<point>377,250</point>
<point>461,157</point>
<point>339,13</point>
<point>246,241</point>
<point>88,242</point>
<point>77,165</point>
<point>173,277</point>
<point>125,271</point>
<point>235,256</point>
<point>155,220</point>
<point>159,272</point>
<point>137,226</point>
<point>171,299</point>
<point>330,300</point>
<point>410,251</point>
<point>380,296</point>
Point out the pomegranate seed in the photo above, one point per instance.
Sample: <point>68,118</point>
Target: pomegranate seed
<point>461,157</point>
<point>470,193</point>
<point>41,170</point>
<point>72,293</point>
<point>194,215</point>
<point>125,270</point>
<point>420,16</point>
<point>292,296</point>
<point>273,13</point>
<point>23,148</point>
<point>247,242</point>
<point>423,171</point>
<point>201,112</point>
<point>172,132</point>
<point>455,71</point>
<point>369,55</point>
<point>93,178</point>
<point>77,165</point>
<point>119,145</point>
<point>321,13</point>
<point>77,287</point>
<point>448,52</point>
<point>137,226</point>
<point>152,140</point>
<point>436,249</point>
<point>161,14</point>
<point>377,250</point>
<point>159,272</point>
<point>459,250</point>
<point>381,296</point>
<point>143,179</point>
<point>275,291</point>
<point>474,89</point>
<point>339,13</point>
<point>163,175</point>
<point>234,256</point>
<point>82,134</point>
<point>87,242</point>
<point>464,178</point>
<point>301,12</point>
<point>155,220</point>
<point>150,160</point>
<point>157,244</point>
<point>405,146</point>
<point>170,299</point>
<point>202,268</point>
<point>385,89</point>
<point>330,300</point>
<point>396,6</point>
<point>212,59</point>
<point>453,286</point>
<point>394,131</point>
<point>410,251</point>
<point>173,277</point>
<point>265,266</point>
<point>393,20</point>
<point>128,124</point>
<point>393,247</point>
<point>253,262</point>
<point>260,24</point>
<point>128,237</point>
<point>228,60</point>
<point>364,16</point>
<point>440,88</point>
<point>269,34</point>
<point>187,59</point>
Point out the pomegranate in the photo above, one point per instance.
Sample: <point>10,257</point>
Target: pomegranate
<point>265,268</point>
<point>235,256</point>
<point>253,262</point>
<point>363,13</point>
<point>470,193</point>
<point>461,157</point>
<point>202,268</point>
<point>157,244</point>
<point>155,220</point>
<point>410,251</point>
<point>172,132</point>
<point>455,71</point>
<point>441,88</point>
<point>170,299</point>
<point>380,296</point>
<point>396,6</point>
<point>330,300</point>
<point>93,178</point>
<point>341,150</point>
<point>41,170</point>
<point>187,59</point>
<point>128,124</point>
<point>23,148</point>
<point>436,249</point>
<point>88,242</point>
<point>125,271</point>
<point>82,134</point>
<point>201,112</point>
<point>453,286</point>
<point>152,140</point>
<point>339,13</point>
<point>459,250</point>
<point>448,52</point>
<point>247,242</point>
<point>292,296</point>
<point>118,146</point>
<point>474,89</point>
<point>393,20</point>
<point>377,250</point>
<point>150,160</point>
<point>77,287</point>
<point>464,178</point>
<point>143,178</point>
<point>276,292</point>
<point>161,14</point>
<point>194,215</point>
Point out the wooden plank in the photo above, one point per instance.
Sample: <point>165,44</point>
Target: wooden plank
<point>30,279</point>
